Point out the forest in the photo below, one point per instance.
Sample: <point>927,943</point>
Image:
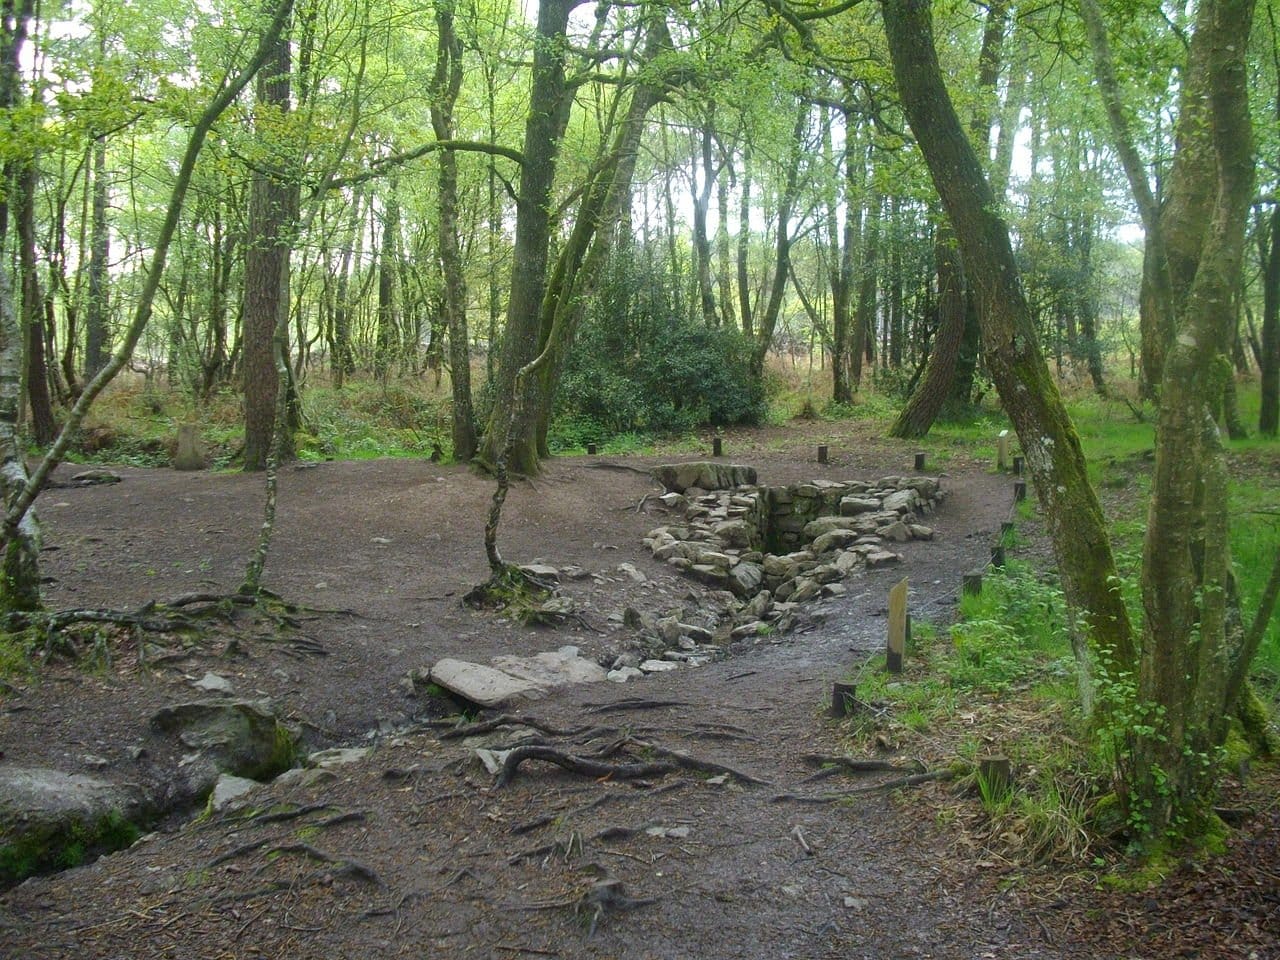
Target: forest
<point>549,252</point>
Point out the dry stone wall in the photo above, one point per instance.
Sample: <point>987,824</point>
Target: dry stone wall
<point>774,547</point>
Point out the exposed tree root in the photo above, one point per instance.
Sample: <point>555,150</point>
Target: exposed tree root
<point>911,781</point>
<point>695,763</point>
<point>594,766</point>
<point>633,703</point>
<point>579,765</point>
<point>347,867</point>
<point>832,765</point>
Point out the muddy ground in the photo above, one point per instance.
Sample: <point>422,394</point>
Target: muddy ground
<point>414,851</point>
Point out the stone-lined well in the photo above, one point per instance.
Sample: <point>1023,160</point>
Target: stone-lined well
<point>776,546</point>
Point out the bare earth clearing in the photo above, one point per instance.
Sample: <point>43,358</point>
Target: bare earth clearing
<point>413,850</point>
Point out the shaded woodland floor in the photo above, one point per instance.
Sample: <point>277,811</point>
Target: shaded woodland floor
<point>414,851</point>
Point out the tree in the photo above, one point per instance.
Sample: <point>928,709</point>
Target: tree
<point>1027,390</point>
<point>446,83</point>
<point>19,586</point>
<point>273,213</point>
<point>1196,650</point>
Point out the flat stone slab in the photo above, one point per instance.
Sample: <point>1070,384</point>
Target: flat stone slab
<point>480,684</point>
<point>552,669</point>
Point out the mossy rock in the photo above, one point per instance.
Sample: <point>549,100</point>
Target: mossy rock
<point>52,820</point>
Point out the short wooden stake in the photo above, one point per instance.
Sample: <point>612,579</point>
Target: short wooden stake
<point>591,449</point>
<point>1018,463</point>
<point>973,583</point>
<point>1006,531</point>
<point>1019,491</point>
<point>1002,450</point>
<point>822,453</point>
<point>996,773</point>
<point>717,447</point>
<point>920,462</point>
<point>997,555</point>
<point>896,649</point>
<point>844,700</point>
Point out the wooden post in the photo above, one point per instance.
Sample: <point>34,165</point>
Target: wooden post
<point>844,699</point>
<point>997,774</point>
<point>822,453</point>
<point>972,583</point>
<point>1019,491</point>
<point>896,649</point>
<point>1018,463</point>
<point>1002,450</point>
<point>717,447</point>
<point>920,462</point>
<point>997,555</point>
<point>1006,531</point>
<point>591,449</point>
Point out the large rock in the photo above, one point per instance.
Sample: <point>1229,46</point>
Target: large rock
<point>901,501</point>
<point>823,525</point>
<point>745,579</point>
<point>705,475</point>
<point>555,668</point>
<point>852,506</point>
<point>49,819</point>
<point>240,737</point>
<point>835,540</point>
<point>482,685</point>
<point>736,533</point>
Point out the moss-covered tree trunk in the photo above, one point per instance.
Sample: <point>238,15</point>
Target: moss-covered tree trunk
<point>1192,637</point>
<point>1026,387</point>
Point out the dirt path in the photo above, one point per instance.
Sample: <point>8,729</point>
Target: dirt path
<point>413,851</point>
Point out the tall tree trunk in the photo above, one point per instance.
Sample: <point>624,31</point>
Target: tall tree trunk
<point>97,347</point>
<point>768,319</point>
<point>1269,412</point>
<point>388,260</point>
<point>724,259</point>
<point>1052,448</point>
<point>931,394</point>
<point>39,402</point>
<point>1191,652</point>
<point>701,204</point>
<point>865,314</point>
<point>743,258</point>
<point>445,84</point>
<point>20,556</point>
<point>549,105</point>
<point>343,361</point>
<point>273,206</point>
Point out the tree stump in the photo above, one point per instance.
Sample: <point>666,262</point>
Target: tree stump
<point>996,774</point>
<point>844,699</point>
<point>190,454</point>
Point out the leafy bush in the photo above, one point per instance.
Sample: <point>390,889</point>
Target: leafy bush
<point>637,365</point>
